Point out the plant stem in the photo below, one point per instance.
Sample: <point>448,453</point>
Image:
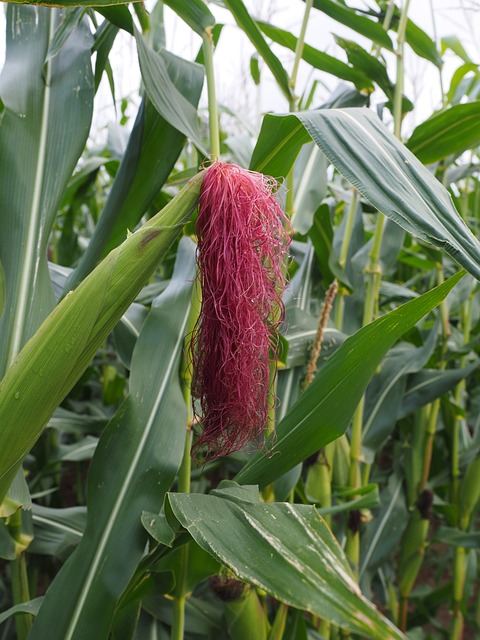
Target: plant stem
<point>398,97</point>
<point>212,98</point>
<point>435,405</point>
<point>347,235</point>
<point>184,474</point>
<point>142,15</point>
<point>299,47</point>
<point>19,576</point>
<point>20,591</point>
<point>293,102</point>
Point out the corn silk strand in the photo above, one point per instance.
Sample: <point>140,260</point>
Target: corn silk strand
<point>243,242</point>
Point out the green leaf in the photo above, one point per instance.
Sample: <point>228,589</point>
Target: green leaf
<point>170,103</point>
<point>248,26</point>
<point>385,530</point>
<point>458,538</point>
<point>458,81</point>
<point>136,461</point>
<point>285,549</point>
<point>392,179</point>
<point>255,68</point>
<point>57,531</point>
<point>451,131</point>
<point>71,3</point>
<point>318,417</point>
<point>195,13</point>
<point>426,386</point>
<point>153,148</point>
<point>32,607</point>
<point>318,59</point>
<point>361,24</point>
<point>454,44</point>
<point>422,44</point>
<point>117,14</point>
<point>371,66</point>
<point>43,131</point>
<point>384,395</point>
<point>310,187</point>
<point>56,356</point>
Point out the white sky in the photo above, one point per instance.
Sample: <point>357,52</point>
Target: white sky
<point>235,88</point>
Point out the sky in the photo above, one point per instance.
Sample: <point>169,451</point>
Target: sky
<point>235,88</point>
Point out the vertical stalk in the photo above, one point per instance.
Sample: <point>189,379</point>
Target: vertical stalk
<point>212,97</point>
<point>178,622</point>
<point>440,69</point>
<point>397,102</point>
<point>293,102</point>
<point>143,16</point>
<point>19,576</point>
<point>373,271</point>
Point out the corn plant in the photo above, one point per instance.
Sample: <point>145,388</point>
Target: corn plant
<point>334,426</point>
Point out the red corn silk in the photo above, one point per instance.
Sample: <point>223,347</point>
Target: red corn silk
<point>243,241</point>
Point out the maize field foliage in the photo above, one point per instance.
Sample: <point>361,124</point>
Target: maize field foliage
<point>356,514</point>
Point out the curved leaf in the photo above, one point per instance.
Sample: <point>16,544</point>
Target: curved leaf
<point>451,131</point>
<point>153,148</point>
<point>56,356</point>
<point>254,34</point>
<point>43,131</point>
<point>318,59</point>
<point>323,412</point>
<point>194,12</point>
<point>361,24</point>
<point>162,91</point>
<point>285,549</point>
<point>392,179</point>
<point>136,461</point>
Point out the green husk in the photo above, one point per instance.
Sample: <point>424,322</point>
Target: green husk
<point>56,356</point>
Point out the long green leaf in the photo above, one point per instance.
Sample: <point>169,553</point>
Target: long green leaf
<point>383,170</point>
<point>247,24</point>
<point>318,59</point>
<point>55,357</point>
<point>136,461</point>
<point>285,549</point>
<point>170,103</point>
<point>195,13</point>
<point>153,148</point>
<point>361,24</point>
<point>43,131</point>
<point>323,412</point>
<point>71,3</point>
<point>451,131</point>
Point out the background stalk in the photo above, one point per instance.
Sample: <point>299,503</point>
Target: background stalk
<point>374,274</point>
<point>293,103</point>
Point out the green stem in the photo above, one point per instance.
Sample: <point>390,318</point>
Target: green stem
<point>20,592</point>
<point>299,48</point>
<point>374,272</point>
<point>293,103</point>
<point>347,235</point>
<point>402,614</point>
<point>435,405</point>
<point>398,97</point>
<point>143,16</point>
<point>178,623</point>
<point>459,573</point>
<point>212,98</point>
<point>19,576</point>
<point>184,474</point>
<point>440,68</point>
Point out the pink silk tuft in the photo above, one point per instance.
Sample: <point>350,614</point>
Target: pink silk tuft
<point>243,242</point>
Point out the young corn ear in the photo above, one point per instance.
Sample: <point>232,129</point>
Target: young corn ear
<point>243,242</point>
<point>55,357</point>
